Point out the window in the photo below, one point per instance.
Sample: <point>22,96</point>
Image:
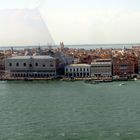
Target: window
<point>17,64</point>
<point>30,65</point>
<point>36,64</point>
<point>10,64</point>
<point>24,64</point>
<point>51,65</point>
<point>43,65</point>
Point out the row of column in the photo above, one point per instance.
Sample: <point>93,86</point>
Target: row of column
<point>33,75</point>
<point>78,74</point>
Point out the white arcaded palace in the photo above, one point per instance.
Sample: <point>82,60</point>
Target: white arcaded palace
<point>77,70</point>
<point>31,66</point>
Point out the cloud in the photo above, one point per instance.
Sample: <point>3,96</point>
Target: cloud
<point>12,4</point>
<point>94,25</point>
<point>23,27</point>
<point>74,22</point>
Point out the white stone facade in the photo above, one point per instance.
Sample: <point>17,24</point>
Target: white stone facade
<point>77,70</point>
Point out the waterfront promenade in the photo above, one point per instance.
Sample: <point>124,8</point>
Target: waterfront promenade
<point>63,78</point>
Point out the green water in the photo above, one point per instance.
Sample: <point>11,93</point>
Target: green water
<point>69,111</point>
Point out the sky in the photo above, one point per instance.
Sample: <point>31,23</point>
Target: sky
<point>33,22</point>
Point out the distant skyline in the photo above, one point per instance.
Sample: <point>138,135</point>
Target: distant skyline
<point>33,22</point>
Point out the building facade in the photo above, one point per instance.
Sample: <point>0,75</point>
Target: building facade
<point>2,67</point>
<point>77,70</point>
<point>31,66</point>
<point>123,67</point>
<point>101,68</point>
<point>138,66</point>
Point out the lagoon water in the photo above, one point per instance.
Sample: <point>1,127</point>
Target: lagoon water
<point>69,111</point>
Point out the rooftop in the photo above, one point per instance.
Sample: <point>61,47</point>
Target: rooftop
<point>79,65</point>
<point>101,63</point>
<point>32,57</point>
<point>103,60</point>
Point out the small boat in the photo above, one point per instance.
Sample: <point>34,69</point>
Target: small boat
<point>121,84</point>
<point>135,79</point>
<point>93,82</point>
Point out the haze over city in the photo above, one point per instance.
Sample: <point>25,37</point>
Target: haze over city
<point>33,22</point>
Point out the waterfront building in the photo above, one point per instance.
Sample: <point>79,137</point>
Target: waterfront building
<point>31,66</point>
<point>63,60</point>
<point>138,66</point>
<point>123,67</point>
<point>77,70</point>
<point>101,68</point>
<point>2,67</point>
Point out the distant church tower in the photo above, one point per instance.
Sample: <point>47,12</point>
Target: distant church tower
<point>12,50</point>
<point>62,46</point>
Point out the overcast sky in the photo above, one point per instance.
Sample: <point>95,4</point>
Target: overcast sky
<point>32,22</point>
